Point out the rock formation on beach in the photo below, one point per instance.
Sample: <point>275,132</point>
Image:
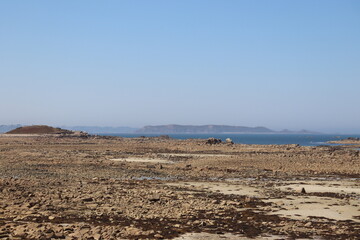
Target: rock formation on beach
<point>349,140</point>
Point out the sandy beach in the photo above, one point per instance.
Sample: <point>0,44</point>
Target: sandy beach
<point>55,187</point>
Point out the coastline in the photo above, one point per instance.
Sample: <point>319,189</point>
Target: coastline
<point>266,139</point>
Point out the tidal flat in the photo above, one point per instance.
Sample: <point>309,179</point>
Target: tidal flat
<point>96,187</point>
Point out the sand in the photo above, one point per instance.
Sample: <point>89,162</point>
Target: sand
<point>143,160</point>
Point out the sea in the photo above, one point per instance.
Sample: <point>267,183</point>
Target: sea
<point>267,139</point>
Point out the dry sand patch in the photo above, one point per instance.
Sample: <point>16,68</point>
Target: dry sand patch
<point>348,187</point>
<point>295,207</point>
<point>199,155</point>
<point>166,157</point>
<point>142,160</point>
<point>221,187</point>
<point>302,207</point>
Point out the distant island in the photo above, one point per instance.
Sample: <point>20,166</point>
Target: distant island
<point>173,128</point>
<point>88,129</point>
<point>39,129</point>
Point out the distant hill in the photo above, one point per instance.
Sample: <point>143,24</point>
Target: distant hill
<point>303,131</point>
<point>97,129</point>
<point>39,129</point>
<point>6,128</point>
<point>202,129</point>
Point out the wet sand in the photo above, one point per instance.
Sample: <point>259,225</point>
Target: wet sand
<point>156,188</point>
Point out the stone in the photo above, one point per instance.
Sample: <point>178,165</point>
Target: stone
<point>154,198</point>
<point>212,141</point>
<point>159,236</point>
<point>87,199</point>
<point>97,236</point>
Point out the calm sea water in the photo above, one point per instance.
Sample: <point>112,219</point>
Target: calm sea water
<point>302,139</point>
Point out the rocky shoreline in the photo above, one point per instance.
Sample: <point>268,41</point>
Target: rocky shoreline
<point>62,187</point>
<point>350,140</point>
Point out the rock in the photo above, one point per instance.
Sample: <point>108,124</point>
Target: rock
<point>97,236</point>
<point>229,141</point>
<point>159,236</point>
<point>213,141</point>
<point>87,199</point>
<point>19,232</point>
<point>80,134</point>
<point>132,231</point>
<point>84,230</point>
<point>154,198</point>
<point>303,191</point>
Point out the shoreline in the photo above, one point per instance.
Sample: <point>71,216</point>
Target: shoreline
<point>158,188</point>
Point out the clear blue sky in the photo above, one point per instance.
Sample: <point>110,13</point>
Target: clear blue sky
<point>279,64</point>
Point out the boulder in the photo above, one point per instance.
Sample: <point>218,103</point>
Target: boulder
<point>213,141</point>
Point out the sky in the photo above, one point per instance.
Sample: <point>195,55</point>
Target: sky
<point>279,64</point>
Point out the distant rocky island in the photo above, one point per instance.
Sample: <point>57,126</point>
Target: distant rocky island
<point>203,129</point>
<point>39,129</point>
<point>171,129</point>
<point>88,129</point>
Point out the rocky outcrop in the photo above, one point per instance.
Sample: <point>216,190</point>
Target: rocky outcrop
<point>213,141</point>
<point>39,129</point>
